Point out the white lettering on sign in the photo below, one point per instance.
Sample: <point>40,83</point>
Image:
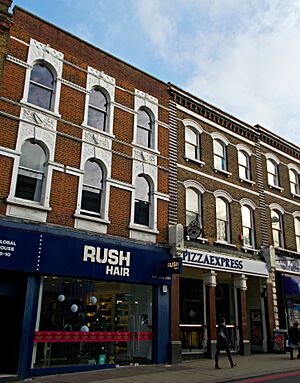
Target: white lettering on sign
<point>118,259</point>
<point>7,247</point>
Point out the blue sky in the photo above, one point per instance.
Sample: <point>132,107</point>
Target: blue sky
<point>242,56</point>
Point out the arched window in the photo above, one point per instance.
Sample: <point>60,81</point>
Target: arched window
<point>220,156</point>
<point>223,223</point>
<point>297,233</point>
<point>277,228</point>
<point>272,169</point>
<point>97,109</point>
<point>244,165</point>
<point>193,206</point>
<point>142,201</point>
<point>92,187</point>
<point>248,226</point>
<point>31,172</point>
<point>41,87</point>
<point>144,128</point>
<point>192,144</point>
<point>294,182</point>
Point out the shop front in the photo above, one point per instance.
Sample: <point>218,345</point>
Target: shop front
<point>288,290</point>
<point>215,286</point>
<point>80,301</point>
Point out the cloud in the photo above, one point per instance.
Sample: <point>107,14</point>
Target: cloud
<point>243,56</point>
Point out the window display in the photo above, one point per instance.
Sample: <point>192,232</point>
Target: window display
<point>93,323</point>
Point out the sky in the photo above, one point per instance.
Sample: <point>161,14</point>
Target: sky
<point>242,56</point>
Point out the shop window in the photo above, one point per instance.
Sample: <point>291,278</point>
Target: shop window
<point>248,226</point>
<point>97,109</point>
<point>220,155</point>
<point>144,128</point>
<point>41,87</point>
<point>294,182</point>
<point>31,172</point>
<point>272,169</point>
<point>192,143</point>
<point>223,222</point>
<point>244,165</point>
<point>142,201</point>
<point>297,233</point>
<point>277,228</point>
<point>92,187</point>
<point>84,322</point>
<point>191,314</point>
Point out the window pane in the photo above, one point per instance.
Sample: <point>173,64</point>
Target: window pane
<point>271,167</point>
<point>143,137</point>
<point>28,188</point>
<point>246,216</point>
<point>91,201</point>
<point>96,118</point>
<point>221,209</point>
<point>247,236</point>
<point>293,176</point>
<point>192,200</point>
<point>221,231</point>
<point>219,163</point>
<point>219,148</point>
<point>92,174</point>
<point>144,120</point>
<point>190,216</point>
<point>190,151</point>
<point>33,156</point>
<point>297,226</point>
<point>39,96</point>
<point>141,213</point>
<point>243,159</point>
<point>142,189</point>
<point>191,136</point>
<point>242,172</point>
<point>276,238</point>
<point>42,75</point>
<point>98,99</point>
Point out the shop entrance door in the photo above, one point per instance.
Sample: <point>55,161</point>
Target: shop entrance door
<point>12,305</point>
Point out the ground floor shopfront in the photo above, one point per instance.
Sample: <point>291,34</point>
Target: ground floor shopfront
<point>73,301</point>
<point>215,285</point>
<point>287,277</point>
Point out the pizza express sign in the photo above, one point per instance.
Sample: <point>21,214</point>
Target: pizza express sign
<point>223,262</point>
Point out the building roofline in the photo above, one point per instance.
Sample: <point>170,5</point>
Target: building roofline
<point>211,107</point>
<point>18,8</point>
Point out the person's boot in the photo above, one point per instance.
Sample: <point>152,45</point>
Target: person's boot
<point>217,367</point>
<point>232,364</point>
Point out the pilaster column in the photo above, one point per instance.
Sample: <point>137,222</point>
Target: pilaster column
<point>240,284</point>
<point>210,283</point>
<point>272,319</point>
<point>176,347</point>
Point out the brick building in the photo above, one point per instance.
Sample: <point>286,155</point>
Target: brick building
<point>237,200</point>
<point>84,158</point>
<point>107,173</point>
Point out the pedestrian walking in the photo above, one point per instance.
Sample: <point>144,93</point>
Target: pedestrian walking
<point>223,343</point>
<point>294,340</point>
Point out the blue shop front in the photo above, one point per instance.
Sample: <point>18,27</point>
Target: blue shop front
<point>72,301</point>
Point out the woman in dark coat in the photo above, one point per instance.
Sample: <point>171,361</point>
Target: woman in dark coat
<point>294,340</point>
<point>223,343</point>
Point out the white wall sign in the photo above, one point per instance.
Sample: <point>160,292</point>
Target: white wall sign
<point>205,260</point>
<point>287,264</point>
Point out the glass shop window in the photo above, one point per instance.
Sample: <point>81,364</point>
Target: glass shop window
<point>85,322</point>
<point>191,314</point>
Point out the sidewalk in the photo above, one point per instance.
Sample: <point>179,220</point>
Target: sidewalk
<point>195,371</point>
